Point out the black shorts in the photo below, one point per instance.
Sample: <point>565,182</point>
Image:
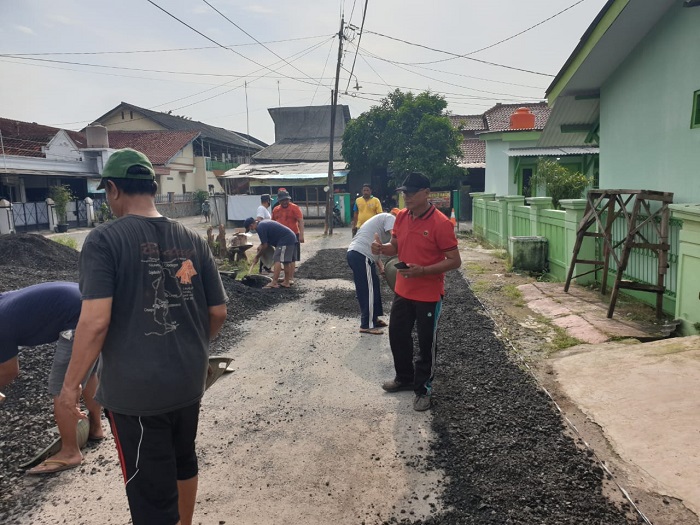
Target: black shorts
<point>155,453</point>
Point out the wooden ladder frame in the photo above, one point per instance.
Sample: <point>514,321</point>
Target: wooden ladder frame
<point>615,203</point>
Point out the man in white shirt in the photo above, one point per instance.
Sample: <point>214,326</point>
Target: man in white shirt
<point>364,270</point>
<point>263,212</point>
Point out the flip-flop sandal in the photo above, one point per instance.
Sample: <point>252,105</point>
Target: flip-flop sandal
<point>270,286</point>
<point>60,467</point>
<point>373,331</point>
<point>380,324</point>
<point>96,439</point>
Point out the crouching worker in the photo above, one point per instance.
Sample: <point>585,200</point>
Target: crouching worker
<point>38,315</point>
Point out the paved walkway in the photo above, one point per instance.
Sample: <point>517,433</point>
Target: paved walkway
<point>582,312</point>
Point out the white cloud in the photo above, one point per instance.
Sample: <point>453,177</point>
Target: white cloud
<point>25,29</point>
<point>255,8</point>
<point>62,19</point>
<point>202,10</point>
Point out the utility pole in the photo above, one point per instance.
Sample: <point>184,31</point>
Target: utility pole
<point>334,106</point>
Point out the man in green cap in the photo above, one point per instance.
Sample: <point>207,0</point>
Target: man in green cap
<point>152,301</point>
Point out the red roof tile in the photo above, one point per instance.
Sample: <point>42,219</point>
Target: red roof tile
<point>473,151</point>
<point>468,122</point>
<point>26,139</point>
<point>498,117</point>
<point>158,146</point>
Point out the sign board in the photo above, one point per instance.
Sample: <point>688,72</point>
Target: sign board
<point>440,199</point>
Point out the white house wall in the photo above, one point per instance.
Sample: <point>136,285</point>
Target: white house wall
<point>646,105</point>
<point>499,177</point>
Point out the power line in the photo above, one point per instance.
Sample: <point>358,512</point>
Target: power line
<point>217,43</point>
<point>456,55</point>
<point>258,41</point>
<point>359,39</point>
<point>166,50</point>
<point>398,64</point>
<point>330,49</point>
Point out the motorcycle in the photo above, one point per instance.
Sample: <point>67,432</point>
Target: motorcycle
<point>337,220</point>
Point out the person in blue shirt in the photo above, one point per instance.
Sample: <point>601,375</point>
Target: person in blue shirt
<point>272,233</point>
<point>42,314</point>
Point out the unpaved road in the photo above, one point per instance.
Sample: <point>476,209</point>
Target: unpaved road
<point>300,432</point>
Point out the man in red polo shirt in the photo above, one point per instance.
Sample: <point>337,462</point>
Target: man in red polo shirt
<point>425,240</point>
<point>290,215</point>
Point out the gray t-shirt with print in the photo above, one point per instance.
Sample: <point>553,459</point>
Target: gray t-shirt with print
<point>162,278</point>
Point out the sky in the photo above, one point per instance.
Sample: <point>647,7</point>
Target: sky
<point>64,63</point>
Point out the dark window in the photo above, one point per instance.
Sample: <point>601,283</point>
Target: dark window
<point>131,115</point>
<point>122,115</point>
<point>695,122</point>
<point>527,175</point>
<point>184,190</point>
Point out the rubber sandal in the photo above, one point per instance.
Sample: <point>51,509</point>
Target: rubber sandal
<point>373,331</point>
<point>60,467</point>
<point>96,439</point>
<point>380,324</point>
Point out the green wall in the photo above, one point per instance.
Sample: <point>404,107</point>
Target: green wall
<point>645,112</point>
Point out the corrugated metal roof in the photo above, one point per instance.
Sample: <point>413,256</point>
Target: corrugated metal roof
<point>292,169</point>
<point>568,110</point>
<point>552,152</point>
<point>301,150</point>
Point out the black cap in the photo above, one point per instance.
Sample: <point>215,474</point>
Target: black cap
<point>414,182</point>
<point>265,197</point>
<point>247,223</point>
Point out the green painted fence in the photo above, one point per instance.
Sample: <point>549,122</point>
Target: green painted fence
<point>495,219</point>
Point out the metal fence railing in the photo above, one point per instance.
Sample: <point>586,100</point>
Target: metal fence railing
<point>163,198</point>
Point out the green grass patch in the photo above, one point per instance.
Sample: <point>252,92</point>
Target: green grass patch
<point>67,241</point>
<point>511,291</point>
<point>475,268</point>
<point>562,340</point>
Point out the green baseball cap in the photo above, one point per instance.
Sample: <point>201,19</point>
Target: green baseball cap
<point>127,163</point>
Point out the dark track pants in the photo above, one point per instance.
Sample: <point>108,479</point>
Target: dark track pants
<point>406,313</point>
<point>367,288</point>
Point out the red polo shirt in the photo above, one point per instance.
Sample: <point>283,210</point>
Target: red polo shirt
<point>423,240</point>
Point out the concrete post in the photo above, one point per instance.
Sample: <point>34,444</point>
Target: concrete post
<point>575,209</point>
<point>688,283</point>
<point>512,201</point>
<point>51,214</point>
<point>503,229</point>
<point>7,218</point>
<point>537,204</point>
<point>89,211</point>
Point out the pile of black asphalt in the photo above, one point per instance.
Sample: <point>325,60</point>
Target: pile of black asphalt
<point>502,444</point>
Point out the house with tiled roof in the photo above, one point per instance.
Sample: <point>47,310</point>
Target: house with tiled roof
<point>172,156</point>
<point>632,85</point>
<point>215,149</point>
<point>35,157</point>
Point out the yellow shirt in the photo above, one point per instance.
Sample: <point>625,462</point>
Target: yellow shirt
<point>366,209</point>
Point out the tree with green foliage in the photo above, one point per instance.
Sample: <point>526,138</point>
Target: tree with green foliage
<point>559,182</point>
<point>61,196</point>
<point>404,133</point>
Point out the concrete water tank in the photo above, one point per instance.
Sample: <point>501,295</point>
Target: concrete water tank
<point>529,253</point>
<point>97,137</point>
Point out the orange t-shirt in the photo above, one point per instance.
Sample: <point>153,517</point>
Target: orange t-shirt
<point>423,240</point>
<point>288,216</point>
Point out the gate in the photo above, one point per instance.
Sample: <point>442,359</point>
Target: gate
<point>30,216</point>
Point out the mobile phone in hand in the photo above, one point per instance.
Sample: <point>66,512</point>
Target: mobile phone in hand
<point>401,265</point>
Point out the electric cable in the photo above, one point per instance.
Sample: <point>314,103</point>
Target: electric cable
<point>495,64</point>
<point>256,40</point>
<point>359,39</point>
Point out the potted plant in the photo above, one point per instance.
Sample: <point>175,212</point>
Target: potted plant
<point>61,196</point>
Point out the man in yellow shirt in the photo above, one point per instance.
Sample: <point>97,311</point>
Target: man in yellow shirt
<point>366,207</point>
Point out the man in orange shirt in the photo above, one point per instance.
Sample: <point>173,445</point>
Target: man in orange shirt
<point>290,215</point>
<point>425,240</point>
